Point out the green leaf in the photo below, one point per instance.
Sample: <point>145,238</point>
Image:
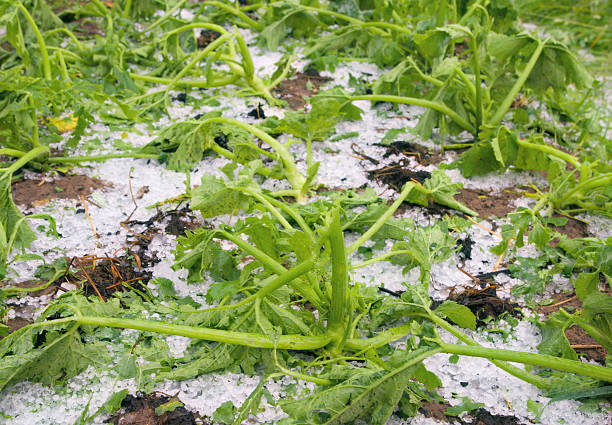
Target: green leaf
<point>170,406</point>
<point>554,342</point>
<point>114,401</point>
<point>369,395</point>
<point>225,413</point>
<point>12,221</point>
<point>214,197</point>
<point>457,313</point>
<point>466,405</point>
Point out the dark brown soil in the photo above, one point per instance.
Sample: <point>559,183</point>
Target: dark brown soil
<point>486,204</point>
<point>483,417</point>
<point>422,154</point>
<point>31,193</point>
<point>573,228</point>
<point>576,336</point>
<point>102,276</point>
<point>301,86</point>
<point>431,409</point>
<point>140,410</point>
<point>478,417</point>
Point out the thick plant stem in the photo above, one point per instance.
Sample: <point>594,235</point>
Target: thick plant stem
<point>511,369</point>
<point>238,13</point>
<point>507,102</point>
<point>339,278</point>
<point>41,41</point>
<point>551,151</point>
<point>382,219</point>
<point>23,160</point>
<point>255,340</point>
<point>431,104</point>
<point>93,158</point>
<point>477,84</point>
<point>543,360</point>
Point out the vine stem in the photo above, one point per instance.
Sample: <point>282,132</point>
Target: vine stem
<point>339,279</point>
<point>41,41</point>
<point>24,159</point>
<point>543,360</point>
<point>93,158</point>
<point>551,151</point>
<point>431,104</point>
<point>248,339</point>
<point>382,219</point>
<point>507,102</point>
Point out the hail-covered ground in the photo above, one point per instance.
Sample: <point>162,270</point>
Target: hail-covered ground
<point>32,403</point>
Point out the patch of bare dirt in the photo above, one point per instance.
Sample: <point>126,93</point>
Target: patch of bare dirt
<point>488,204</point>
<point>574,228</point>
<point>31,192</point>
<point>140,410</point>
<point>301,86</point>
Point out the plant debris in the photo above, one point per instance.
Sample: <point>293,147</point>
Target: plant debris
<point>151,409</point>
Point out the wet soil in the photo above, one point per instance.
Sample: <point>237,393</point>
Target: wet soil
<point>488,204</point>
<point>573,228</point>
<point>301,86</point>
<point>140,410</point>
<point>33,192</point>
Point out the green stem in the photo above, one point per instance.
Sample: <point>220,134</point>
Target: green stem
<point>339,278</point>
<point>382,219</point>
<point>12,152</point>
<point>166,16</point>
<point>68,33</point>
<point>382,338</point>
<point>23,160</point>
<point>255,340</point>
<point>436,106</point>
<point>543,360</point>
<point>41,41</point>
<point>507,102</point>
<point>16,290</point>
<point>275,212</point>
<point>127,8</point>
<point>296,179</point>
<point>477,83</point>
<point>302,376</point>
<point>551,151</point>
<point>511,369</point>
<point>238,13</point>
<point>93,158</point>
<point>216,82</point>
